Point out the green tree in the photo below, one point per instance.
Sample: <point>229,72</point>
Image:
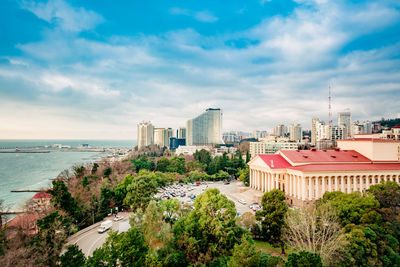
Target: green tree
<point>203,156</point>
<point>85,181</point>
<point>72,257</point>
<point>170,208</point>
<point>388,196</point>
<point>79,170</point>
<point>352,207</point>
<point>244,175</point>
<point>120,190</point>
<point>303,259</point>
<point>267,260</point>
<point>177,164</point>
<point>125,249</point>
<point>107,172</point>
<point>46,245</point>
<point>210,230</point>
<point>141,190</point>
<point>272,217</point>
<point>94,168</point>
<point>162,164</point>
<point>245,253</point>
<point>106,195</point>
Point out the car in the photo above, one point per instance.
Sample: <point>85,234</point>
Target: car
<point>104,226</point>
<point>117,218</point>
<point>193,196</point>
<point>252,205</point>
<point>242,201</point>
<point>183,195</point>
<point>227,183</point>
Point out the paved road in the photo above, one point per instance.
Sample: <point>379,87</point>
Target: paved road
<point>89,239</point>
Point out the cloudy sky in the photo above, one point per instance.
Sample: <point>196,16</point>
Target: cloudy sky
<point>94,69</point>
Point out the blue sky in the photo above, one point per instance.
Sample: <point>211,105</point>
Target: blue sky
<point>94,69</point>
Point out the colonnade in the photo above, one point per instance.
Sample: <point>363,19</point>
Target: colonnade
<point>305,187</point>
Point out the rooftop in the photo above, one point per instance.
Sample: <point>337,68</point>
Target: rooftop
<point>347,167</point>
<point>375,140</point>
<point>275,161</point>
<point>323,156</point>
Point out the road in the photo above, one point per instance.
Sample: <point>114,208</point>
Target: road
<point>89,239</point>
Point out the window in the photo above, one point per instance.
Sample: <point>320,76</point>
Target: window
<point>376,180</point>
<point>352,181</point>
<point>370,180</point>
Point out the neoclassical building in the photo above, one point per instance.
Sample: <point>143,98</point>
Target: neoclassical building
<point>305,175</point>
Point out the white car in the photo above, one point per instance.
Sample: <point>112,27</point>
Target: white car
<point>117,218</point>
<point>242,201</point>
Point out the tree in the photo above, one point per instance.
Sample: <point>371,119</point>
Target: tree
<point>46,245</point>
<point>388,196</point>
<point>170,208</point>
<point>352,207</point>
<point>107,172</point>
<point>245,253</point>
<point>303,259</point>
<point>72,257</point>
<point>94,168</point>
<point>125,249</point>
<point>210,230</point>
<point>244,175</point>
<point>177,164</point>
<point>247,220</point>
<point>162,165</point>
<point>152,224</point>
<point>267,260</point>
<point>120,190</point>
<point>316,230</point>
<point>141,190</point>
<point>106,195</point>
<point>272,217</point>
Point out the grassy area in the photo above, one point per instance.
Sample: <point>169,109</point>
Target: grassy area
<point>268,248</point>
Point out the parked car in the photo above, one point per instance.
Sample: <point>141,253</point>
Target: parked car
<point>104,226</point>
<point>193,196</point>
<point>117,218</point>
<point>183,195</point>
<point>242,201</point>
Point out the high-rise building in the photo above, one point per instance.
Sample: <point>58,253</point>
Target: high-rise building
<point>145,134</point>
<point>205,129</point>
<point>181,133</point>
<point>162,136</point>
<point>314,131</point>
<point>280,130</point>
<point>344,119</point>
<point>295,132</point>
<point>338,133</point>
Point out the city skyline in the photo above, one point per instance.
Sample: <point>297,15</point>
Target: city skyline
<point>73,70</point>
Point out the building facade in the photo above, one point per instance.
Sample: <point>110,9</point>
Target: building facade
<point>305,175</point>
<point>162,136</point>
<point>344,120</point>
<point>205,129</point>
<point>271,147</point>
<point>295,132</point>
<point>145,134</point>
<point>280,130</point>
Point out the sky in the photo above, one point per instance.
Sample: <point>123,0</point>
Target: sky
<point>93,69</point>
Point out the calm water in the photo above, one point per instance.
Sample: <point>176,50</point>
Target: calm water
<point>33,171</point>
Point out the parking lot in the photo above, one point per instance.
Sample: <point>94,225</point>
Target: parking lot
<point>241,195</point>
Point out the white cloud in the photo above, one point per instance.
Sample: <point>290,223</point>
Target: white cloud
<point>202,16</point>
<point>65,16</point>
<point>205,16</point>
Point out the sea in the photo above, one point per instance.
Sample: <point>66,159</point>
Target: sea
<point>35,170</point>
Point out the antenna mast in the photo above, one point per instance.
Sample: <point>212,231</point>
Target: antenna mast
<point>330,106</point>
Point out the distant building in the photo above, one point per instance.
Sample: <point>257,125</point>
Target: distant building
<point>205,129</point>
<point>174,142</point>
<point>338,133</point>
<point>344,120</point>
<point>259,134</point>
<point>230,137</point>
<point>145,134</point>
<point>271,147</point>
<point>280,130</point>
<point>162,136</point>
<point>181,133</point>
<point>189,150</point>
<point>295,132</point>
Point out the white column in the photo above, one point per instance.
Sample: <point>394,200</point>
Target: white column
<point>330,184</point>
<point>323,186</point>
<point>368,184</point>
<point>303,188</point>
<point>262,181</point>
<point>342,184</point>
<point>316,187</point>
<point>310,188</point>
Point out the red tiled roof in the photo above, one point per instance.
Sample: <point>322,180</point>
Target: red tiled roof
<point>275,161</point>
<point>348,167</point>
<point>321,156</point>
<point>378,140</point>
<point>42,195</point>
<point>396,126</point>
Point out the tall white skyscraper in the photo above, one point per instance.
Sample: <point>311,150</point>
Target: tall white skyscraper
<point>145,134</point>
<point>182,133</point>
<point>314,131</point>
<point>344,120</point>
<point>205,129</point>
<point>280,130</point>
<point>295,132</point>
